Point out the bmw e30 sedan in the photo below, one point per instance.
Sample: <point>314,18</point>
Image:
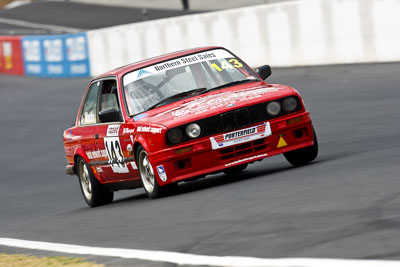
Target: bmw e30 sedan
<point>180,117</point>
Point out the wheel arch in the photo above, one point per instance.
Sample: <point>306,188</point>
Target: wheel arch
<point>79,153</point>
<point>140,141</point>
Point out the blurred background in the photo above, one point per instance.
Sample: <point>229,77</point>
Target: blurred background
<point>342,55</point>
<point>86,38</point>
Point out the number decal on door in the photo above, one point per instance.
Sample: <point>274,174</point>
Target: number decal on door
<point>115,155</point>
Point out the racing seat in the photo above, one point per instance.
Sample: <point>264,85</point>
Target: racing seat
<point>109,101</point>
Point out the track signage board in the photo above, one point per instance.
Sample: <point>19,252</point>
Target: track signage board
<point>56,55</point>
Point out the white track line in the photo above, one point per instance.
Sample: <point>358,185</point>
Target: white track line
<point>191,259</point>
<point>40,25</point>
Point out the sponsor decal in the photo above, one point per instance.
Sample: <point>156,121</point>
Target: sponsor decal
<point>246,159</point>
<point>240,136</point>
<point>240,133</point>
<point>230,105</point>
<point>99,169</point>
<point>128,131</point>
<point>143,73</point>
<point>96,154</point>
<point>88,118</point>
<point>204,104</point>
<point>140,116</point>
<point>113,130</point>
<point>161,173</point>
<point>69,151</point>
<point>148,129</point>
<point>175,63</point>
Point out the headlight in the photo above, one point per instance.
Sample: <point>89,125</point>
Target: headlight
<point>193,130</point>
<point>289,104</point>
<point>175,136</point>
<point>273,108</point>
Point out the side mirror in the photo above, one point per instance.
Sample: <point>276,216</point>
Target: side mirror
<point>264,71</point>
<point>109,115</point>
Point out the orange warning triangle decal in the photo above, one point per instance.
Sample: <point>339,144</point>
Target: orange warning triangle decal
<point>281,142</point>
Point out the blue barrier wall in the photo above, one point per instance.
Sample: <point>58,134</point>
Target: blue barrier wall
<point>56,55</point>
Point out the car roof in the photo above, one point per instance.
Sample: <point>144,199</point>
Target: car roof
<point>140,64</point>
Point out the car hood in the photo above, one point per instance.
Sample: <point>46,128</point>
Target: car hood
<point>215,102</point>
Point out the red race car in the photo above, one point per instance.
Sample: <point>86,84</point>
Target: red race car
<point>179,117</point>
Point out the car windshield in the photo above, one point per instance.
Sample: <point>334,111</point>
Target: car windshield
<point>179,78</point>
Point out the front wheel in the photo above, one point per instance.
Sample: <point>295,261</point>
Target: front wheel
<point>303,155</point>
<point>148,178</point>
<point>94,193</point>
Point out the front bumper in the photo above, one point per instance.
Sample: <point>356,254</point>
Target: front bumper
<point>198,158</point>
<point>70,170</point>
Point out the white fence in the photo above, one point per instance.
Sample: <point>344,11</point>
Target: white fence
<point>297,33</point>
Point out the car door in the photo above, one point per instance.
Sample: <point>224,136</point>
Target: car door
<point>83,135</point>
<point>111,144</point>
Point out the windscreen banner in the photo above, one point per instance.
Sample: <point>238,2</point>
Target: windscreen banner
<point>11,55</point>
<point>56,55</point>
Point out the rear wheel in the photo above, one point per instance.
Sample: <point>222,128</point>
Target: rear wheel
<point>94,193</point>
<point>148,177</point>
<point>303,155</point>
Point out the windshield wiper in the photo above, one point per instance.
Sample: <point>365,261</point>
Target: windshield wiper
<point>178,96</point>
<point>229,84</point>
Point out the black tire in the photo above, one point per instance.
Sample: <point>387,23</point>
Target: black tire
<point>304,155</point>
<point>94,193</point>
<point>148,178</point>
<point>236,169</point>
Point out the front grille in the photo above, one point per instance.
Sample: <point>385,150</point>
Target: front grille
<point>239,118</point>
<point>228,121</point>
<point>242,117</point>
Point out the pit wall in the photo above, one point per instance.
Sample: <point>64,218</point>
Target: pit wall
<point>294,33</point>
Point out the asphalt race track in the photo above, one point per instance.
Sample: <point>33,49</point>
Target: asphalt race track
<point>76,15</point>
<point>345,205</point>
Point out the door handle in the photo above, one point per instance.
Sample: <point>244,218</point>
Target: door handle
<point>96,136</point>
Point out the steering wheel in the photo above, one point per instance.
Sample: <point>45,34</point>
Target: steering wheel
<point>153,89</point>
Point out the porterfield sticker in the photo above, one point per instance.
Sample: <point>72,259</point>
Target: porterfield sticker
<point>240,136</point>
<point>161,173</point>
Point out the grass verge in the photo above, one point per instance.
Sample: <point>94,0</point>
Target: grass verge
<point>18,260</point>
<point>4,2</point>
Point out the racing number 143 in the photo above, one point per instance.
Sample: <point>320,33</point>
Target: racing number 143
<point>113,147</point>
<point>225,65</point>
<point>115,155</point>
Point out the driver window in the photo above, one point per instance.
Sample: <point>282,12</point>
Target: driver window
<point>109,95</point>
<point>88,113</point>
